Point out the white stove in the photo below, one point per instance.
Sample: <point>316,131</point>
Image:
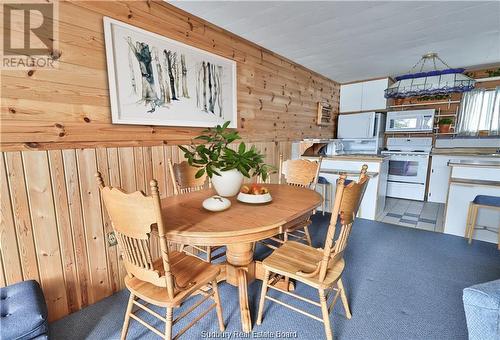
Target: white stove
<point>408,163</point>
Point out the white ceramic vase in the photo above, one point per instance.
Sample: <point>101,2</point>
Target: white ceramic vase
<point>229,182</point>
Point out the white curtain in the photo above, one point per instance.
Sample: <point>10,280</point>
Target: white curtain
<point>479,110</point>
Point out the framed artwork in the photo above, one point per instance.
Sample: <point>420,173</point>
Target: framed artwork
<point>325,114</point>
<point>154,80</point>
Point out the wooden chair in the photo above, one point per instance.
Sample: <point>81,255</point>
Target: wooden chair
<point>184,181</point>
<point>316,267</point>
<point>165,282</point>
<point>485,202</point>
<point>301,173</point>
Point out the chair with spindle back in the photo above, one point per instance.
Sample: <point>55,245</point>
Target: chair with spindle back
<point>316,267</point>
<point>165,282</point>
<point>301,173</point>
<point>184,181</point>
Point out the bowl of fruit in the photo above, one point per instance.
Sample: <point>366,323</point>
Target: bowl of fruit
<point>254,194</point>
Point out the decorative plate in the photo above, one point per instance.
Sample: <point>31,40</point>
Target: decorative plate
<point>254,199</point>
<point>216,203</point>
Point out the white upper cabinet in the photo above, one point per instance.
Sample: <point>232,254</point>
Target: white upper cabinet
<point>364,96</point>
<point>372,97</point>
<point>350,97</point>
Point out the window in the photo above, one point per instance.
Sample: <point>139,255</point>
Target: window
<point>479,110</point>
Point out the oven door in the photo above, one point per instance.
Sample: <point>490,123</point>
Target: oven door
<point>408,168</point>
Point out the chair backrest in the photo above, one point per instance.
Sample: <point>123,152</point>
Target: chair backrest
<point>347,200</point>
<point>184,179</point>
<point>299,172</point>
<point>132,216</point>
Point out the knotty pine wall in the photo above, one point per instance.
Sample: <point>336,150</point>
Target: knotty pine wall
<point>69,106</point>
<point>56,132</point>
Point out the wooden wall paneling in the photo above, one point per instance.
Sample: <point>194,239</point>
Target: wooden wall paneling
<point>62,211</point>
<point>159,169</point>
<point>127,169</point>
<point>9,252</point>
<point>140,175</point>
<point>112,254</point>
<point>77,225</point>
<point>94,231</point>
<point>170,153</point>
<point>45,233</point>
<point>147,154</point>
<point>20,205</point>
<point>67,220</point>
<point>269,85</point>
<point>148,167</point>
<point>2,273</point>
<point>115,181</point>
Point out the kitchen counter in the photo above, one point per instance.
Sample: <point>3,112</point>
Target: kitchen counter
<point>373,203</point>
<point>468,179</point>
<point>352,157</point>
<point>347,172</point>
<point>475,163</point>
<point>480,152</point>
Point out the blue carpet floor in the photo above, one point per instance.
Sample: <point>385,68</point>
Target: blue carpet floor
<point>402,283</point>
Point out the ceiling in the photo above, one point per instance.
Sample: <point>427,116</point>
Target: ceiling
<point>356,40</point>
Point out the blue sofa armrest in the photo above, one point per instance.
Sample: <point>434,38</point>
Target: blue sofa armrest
<point>23,312</point>
<point>482,310</point>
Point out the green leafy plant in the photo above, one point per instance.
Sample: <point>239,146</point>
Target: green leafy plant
<point>215,155</point>
<point>493,73</point>
<point>445,121</point>
<point>433,97</point>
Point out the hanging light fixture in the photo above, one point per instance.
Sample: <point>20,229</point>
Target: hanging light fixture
<point>435,82</point>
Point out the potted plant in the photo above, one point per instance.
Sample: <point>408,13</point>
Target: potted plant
<point>225,166</point>
<point>444,125</point>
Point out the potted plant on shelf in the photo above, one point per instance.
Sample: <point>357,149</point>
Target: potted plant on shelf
<point>224,165</point>
<point>444,125</point>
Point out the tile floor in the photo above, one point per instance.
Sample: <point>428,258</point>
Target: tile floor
<point>414,214</point>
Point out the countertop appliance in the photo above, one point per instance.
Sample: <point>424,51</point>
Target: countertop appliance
<point>361,132</point>
<point>410,121</point>
<point>408,163</point>
<point>361,125</point>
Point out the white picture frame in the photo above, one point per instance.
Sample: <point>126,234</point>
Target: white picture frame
<point>155,80</point>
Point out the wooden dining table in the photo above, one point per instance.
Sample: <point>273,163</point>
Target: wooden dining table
<point>237,228</point>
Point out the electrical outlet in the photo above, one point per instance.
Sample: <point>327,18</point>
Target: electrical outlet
<point>112,239</point>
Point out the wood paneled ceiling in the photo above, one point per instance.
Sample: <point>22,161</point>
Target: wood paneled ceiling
<point>355,40</point>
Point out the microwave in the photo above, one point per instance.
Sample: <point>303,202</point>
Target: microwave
<point>361,125</point>
<point>410,121</point>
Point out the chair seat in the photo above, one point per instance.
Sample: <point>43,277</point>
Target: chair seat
<point>293,257</point>
<point>186,269</point>
<point>322,180</point>
<point>23,312</point>
<point>492,201</point>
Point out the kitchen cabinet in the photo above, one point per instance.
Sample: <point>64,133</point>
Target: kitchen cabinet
<point>363,96</point>
<point>373,203</point>
<point>372,97</point>
<point>351,97</point>
<point>440,175</point>
<point>468,181</point>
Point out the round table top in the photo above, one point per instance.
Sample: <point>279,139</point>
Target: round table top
<point>186,221</point>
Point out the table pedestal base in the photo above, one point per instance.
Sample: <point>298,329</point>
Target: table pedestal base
<point>240,270</point>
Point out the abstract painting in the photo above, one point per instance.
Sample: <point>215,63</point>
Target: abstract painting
<point>154,80</point>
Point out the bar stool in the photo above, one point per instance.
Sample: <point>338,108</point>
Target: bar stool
<point>480,201</point>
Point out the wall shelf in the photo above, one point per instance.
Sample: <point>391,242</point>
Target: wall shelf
<point>449,102</point>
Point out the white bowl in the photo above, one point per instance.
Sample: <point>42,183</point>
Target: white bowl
<point>216,203</point>
<point>254,199</point>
